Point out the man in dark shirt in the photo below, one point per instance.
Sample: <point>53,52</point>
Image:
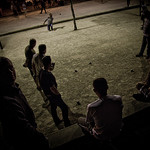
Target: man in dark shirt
<point>49,85</point>
<point>16,116</point>
<point>43,7</point>
<point>29,52</point>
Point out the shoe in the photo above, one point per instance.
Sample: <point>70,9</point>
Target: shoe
<point>46,104</point>
<point>58,122</point>
<point>139,55</point>
<point>67,124</point>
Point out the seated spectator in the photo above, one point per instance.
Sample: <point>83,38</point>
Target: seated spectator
<point>16,116</point>
<point>104,116</point>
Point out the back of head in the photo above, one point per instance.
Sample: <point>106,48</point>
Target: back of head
<point>100,85</point>
<point>32,41</point>
<point>3,63</point>
<point>42,48</point>
<point>7,72</point>
<point>46,61</point>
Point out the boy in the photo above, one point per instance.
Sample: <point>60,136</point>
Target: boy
<point>50,22</point>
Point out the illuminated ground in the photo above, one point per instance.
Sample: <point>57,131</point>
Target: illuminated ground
<point>103,46</point>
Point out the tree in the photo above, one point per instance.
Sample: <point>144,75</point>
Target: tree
<point>73,14</point>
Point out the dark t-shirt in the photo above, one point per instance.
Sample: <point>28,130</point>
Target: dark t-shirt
<point>47,80</point>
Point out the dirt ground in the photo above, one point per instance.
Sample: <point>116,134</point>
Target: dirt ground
<point>103,46</point>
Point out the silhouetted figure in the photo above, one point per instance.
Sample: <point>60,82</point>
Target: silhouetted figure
<point>16,116</point>
<point>146,34</point>
<point>128,3</point>
<point>29,52</point>
<point>141,4</point>
<point>24,7</point>
<point>49,3</point>
<point>49,22</point>
<point>14,8</point>
<point>43,6</point>
<point>104,116</point>
<point>1,12</point>
<point>49,85</point>
<point>143,14</point>
<point>35,3</point>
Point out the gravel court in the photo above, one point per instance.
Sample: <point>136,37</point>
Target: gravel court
<point>103,46</point>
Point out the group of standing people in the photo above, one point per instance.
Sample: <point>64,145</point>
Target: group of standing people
<point>40,67</point>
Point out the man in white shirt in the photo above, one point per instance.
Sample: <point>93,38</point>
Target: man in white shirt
<point>37,63</point>
<point>104,116</point>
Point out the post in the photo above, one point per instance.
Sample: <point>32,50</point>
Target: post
<point>73,14</point>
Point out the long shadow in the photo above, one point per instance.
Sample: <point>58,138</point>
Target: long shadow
<point>58,28</point>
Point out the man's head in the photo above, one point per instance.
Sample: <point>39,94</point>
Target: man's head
<point>7,72</point>
<point>50,14</point>
<point>100,86</point>
<point>46,62</point>
<point>32,43</point>
<point>42,49</point>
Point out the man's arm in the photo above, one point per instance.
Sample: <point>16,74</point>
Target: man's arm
<point>54,90</point>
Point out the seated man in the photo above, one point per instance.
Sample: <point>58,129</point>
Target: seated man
<point>104,116</point>
<point>16,116</point>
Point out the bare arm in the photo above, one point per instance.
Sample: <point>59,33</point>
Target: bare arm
<point>54,90</point>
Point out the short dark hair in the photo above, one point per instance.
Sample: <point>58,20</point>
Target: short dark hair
<point>32,41</point>
<point>4,63</point>
<point>100,85</point>
<point>46,61</point>
<point>42,48</point>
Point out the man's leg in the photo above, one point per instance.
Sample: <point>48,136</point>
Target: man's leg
<point>144,42</point>
<point>148,47</point>
<point>54,113</point>
<point>1,45</point>
<point>64,109</point>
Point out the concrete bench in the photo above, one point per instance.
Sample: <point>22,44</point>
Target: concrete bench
<point>65,135</point>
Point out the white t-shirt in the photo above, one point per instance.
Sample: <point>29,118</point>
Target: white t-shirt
<point>106,114</point>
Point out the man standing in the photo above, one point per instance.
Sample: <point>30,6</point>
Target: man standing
<point>16,116</point>
<point>49,85</point>
<point>104,116</point>
<point>146,33</point>
<point>37,63</point>
<point>128,3</point>
<point>29,52</point>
